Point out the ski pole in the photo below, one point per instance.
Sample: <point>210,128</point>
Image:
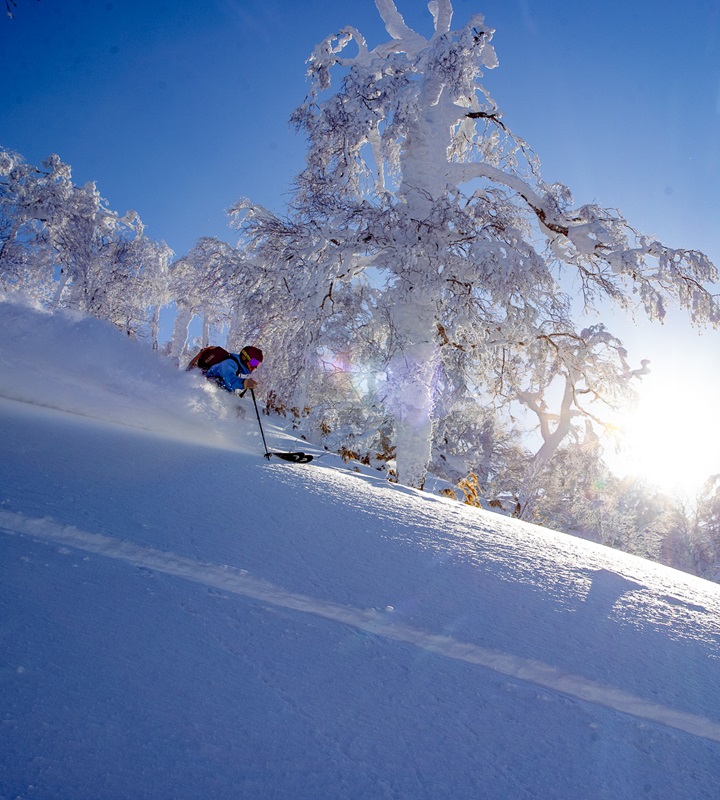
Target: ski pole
<point>262,433</point>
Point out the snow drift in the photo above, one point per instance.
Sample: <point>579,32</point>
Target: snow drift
<point>181,618</point>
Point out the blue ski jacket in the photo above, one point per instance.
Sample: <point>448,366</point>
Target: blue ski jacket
<point>230,374</point>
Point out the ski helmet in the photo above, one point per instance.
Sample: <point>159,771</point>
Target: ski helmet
<point>252,356</point>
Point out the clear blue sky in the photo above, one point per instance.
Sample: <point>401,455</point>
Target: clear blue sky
<point>177,109</point>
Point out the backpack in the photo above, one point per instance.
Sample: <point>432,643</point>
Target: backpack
<point>209,356</point>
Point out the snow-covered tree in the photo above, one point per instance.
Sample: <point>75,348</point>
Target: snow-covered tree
<point>416,187</point>
<point>703,537</point>
<point>592,375</point>
<point>136,281</point>
<point>31,203</point>
<point>207,283</point>
<point>62,245</point>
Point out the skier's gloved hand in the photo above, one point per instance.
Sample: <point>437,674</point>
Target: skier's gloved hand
<point>250,383</point>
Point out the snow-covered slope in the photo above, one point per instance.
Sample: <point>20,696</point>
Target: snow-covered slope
<point>180,618</point>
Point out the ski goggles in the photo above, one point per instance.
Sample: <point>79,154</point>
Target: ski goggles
<point>253,363</point>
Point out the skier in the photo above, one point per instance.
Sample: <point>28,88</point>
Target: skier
<point>230,371</point>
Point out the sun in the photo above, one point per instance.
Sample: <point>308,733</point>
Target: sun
<point>672,438</point>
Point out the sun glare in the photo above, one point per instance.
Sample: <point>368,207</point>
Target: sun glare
<point>672,438</point>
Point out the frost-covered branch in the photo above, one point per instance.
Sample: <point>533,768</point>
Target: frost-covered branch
<point>421,216</point>
<point>10,5</point>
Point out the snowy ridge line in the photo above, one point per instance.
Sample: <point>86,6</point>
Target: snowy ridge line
<point>238,581</point>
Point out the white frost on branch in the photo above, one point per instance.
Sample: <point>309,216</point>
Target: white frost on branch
<point>424,244</point>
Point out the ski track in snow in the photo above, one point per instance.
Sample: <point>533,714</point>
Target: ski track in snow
<point>380,623</point>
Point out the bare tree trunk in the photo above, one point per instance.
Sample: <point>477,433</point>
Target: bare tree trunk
<point>205,331</point>
<point>553,427</point>
<point>412,401</point>
<point>180,332</point>
<point>64,277</point>
<point>155,328</point>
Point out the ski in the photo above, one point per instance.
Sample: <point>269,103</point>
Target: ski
<point>295,458</point>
